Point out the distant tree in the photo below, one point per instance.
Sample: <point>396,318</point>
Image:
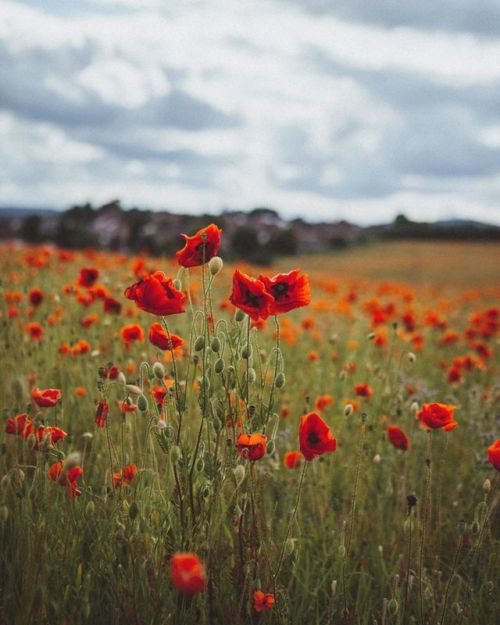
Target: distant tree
<point>30,230</point>
<point>284,243</point>
<point>245,244</point>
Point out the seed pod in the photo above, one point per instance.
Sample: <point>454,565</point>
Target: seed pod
<point>376,459</point>
<point>239,315</point>
<point>90,508</point>
<point>159,370</point>
<point>239,474</point>
<point>199,344</point>
<point>215,345</point>
<point>142,403</point>
<point>280,380</point>
<point>342,551</point>
<point>219,365</point>
<point>215,265</point>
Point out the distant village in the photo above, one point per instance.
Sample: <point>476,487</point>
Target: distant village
<point>257,236</point>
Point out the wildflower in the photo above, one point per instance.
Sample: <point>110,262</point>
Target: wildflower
<point>398,438</point>
<point>89,320</point>
<point>293,459</point>
<point>187,572</point>
<point>35,297</point>
<point>21,425</point>
<point>160,339</point>
<point>200,248</point>
<point>125,476</point>
<point>494,454</point>
<point>35,330</point>
<point>126,406</point>
<point>323,401</point>
<point>315,436</point>
<point>157,295</point>
<point>263,601</point>
<point>112,306</point>
<point>363,390</point>
<point>250,296</point>
<point>252,446</point>
<point>289,291</point>
<point>133,332</point>
<point>46,398</point>
<point>101,413</point>
<point>438,416</point>
<point>88,277</point>
<point>159,394</point>
<point>66,476</point>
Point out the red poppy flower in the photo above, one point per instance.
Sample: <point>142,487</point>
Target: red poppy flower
<point>114,372</point>
<point>35,330</point>
<point>101,413</point>
<point>187,572</point>
<point>293,459</point>
<point>66,478</point>
<point>88,276</point>
<point>438,416</point>
<point>159,394</point>
<point>36,297</point>
<point>112,306</point>
<point>125,476</point>
<point>494,454</point>
<point>263,601</point>
<point>250,296</point>
<point>201,247</point>
<point>133,332</point>
<point>315,436</point>
<point>398,438</point>
<point>55,433</point>
<point>159,338</point>
<point>47,398</point>
<point>323,401</point>
<point>252,446</point>
<point>124,406</point>
<point>289,291</point>
<point>363,390</point>
<point>156,294</point>
<point>21,425</point>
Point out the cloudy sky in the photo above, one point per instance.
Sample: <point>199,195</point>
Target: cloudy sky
<point>326,109</point>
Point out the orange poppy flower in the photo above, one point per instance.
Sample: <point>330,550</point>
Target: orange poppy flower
<point>160,339</point>
<point>293,459</point>
<point>289,291</point>
<point>133,332</point>
<point>263,601</point>
<point>252,446</point>
<point>398,438</point>
<point>187,572</point>
<point>200,248</point>
<point>125,476</point>
<point>46,398</point>
<point>250,296</point>
<point>494,454</point>
<point>156,294</point>
<point>323,401</point>
<point>315,436</point>
<point>438,416</point>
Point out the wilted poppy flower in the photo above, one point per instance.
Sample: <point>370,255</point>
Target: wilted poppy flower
<point>398,438</point>
<point>315,436</point>
<point>201,247</point>
<point>35,330</point>
<point>157,295</point>
<point>125,476</point>
<point>35,297</point>
<point>438,416</point>
<point>363,390</point>
<point>292,459</point>
<point>250,296</point>
<point>53,432</point>
<point>66,477</point>
<point>126,406</point>
<point>88,276</point>
<point>133,332</point>
<point>46,398</point>
<point>187,572</point>
<point>263,601</point>
<point>101,413</point>
<point>20,424</point>
<point>252,446</point>
<point>289,291</point>
<point>494,454</point>
<point>159,338</point>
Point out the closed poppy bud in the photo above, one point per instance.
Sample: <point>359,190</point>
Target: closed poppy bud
<point>199,344</point>
<point>4,513</point>
<point>270,448</point>
<point>159,370</point>
<point>142,403</point>
<point>280,380</point>
<point>246,352</point>
<point>215,265</point>
<point>486,486</point>
<point>239,315</point>
<point>239,474</point>
<point>219,365</point>
<point>215,345</point>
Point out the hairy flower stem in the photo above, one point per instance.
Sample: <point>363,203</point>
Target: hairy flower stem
<point>408,565</point>
<point>290,523</point>
<point>276,364</point>
<point>176,381</point>
<point>427,496</point>
<point>448,585</point>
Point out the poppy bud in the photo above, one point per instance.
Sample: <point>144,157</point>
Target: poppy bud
<point>159,370</point>
<point>239,315</point>
<point>175,453</point>
<point>280,380</point>
<point>90,508</point>
<point>72,460</point>
<point>142,403</point>
<point>215,265</point>
<point>411,357</point>
<point>177,284</point>
<point>486,486</point>
<point>4,513</point>
<point>334,587</point>
<point>121,379</point>
<point>376,459</point>
<point>133,389</point>
<point>215,345</point>
<point>348,410</point>
<point>133,510</point>
<point>205,491</point>
<point>414,408</point>
<point>289,546</point>
<point>200,465</point>
<point>475,527</point>
<point>342,551</point>
<point>199,344</point>
<point>217,423</point>
<point>239,474</point>
<point>270,448</point>
<point>252,376</point>
<point>102,372</point>
<point>246,352</point>
<point>393,607</point>
<point>219,365</point>
<point>371,336</point>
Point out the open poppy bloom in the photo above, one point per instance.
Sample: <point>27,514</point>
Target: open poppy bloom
<point>112,306</point>
<point>315,436</point>
<point>187,572</point>
<point>494,454</point>
<point>363,390</point>
<point>35,297</point>
<point>35,330</point>
<point>159,394</point>
<point>101,413</point>
<point>131,333</point>
<point>159,338</point>
<point>438,416</point>
<point>289,291</point>
<point>200,248</point>
<point>66,478</point>
<point>250,296</point>
<point>88,276</point>
<point>21,425</point>
<point>323,401</point>
<point>47,398</point>
<point>263,601</point>
<point>293,459</point>
<point>125,476</point>
<point>126,406</point>
<point>398,438</point>
<point>157,295</point>
<point>252,446</point>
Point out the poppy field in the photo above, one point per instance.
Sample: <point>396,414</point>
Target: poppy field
<point>188,441</point>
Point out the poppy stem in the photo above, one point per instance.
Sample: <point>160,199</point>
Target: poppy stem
<point>176,380</point>
<point>290,523</point>
<point>424,525</point>
<point>248,361</point>
<point>454,568</point>
<point>408,565</point>
<point>276,364</point>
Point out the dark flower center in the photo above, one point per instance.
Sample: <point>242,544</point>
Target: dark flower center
<point>313,438</point>
<point>280,290</point>
<point>252,300</point>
